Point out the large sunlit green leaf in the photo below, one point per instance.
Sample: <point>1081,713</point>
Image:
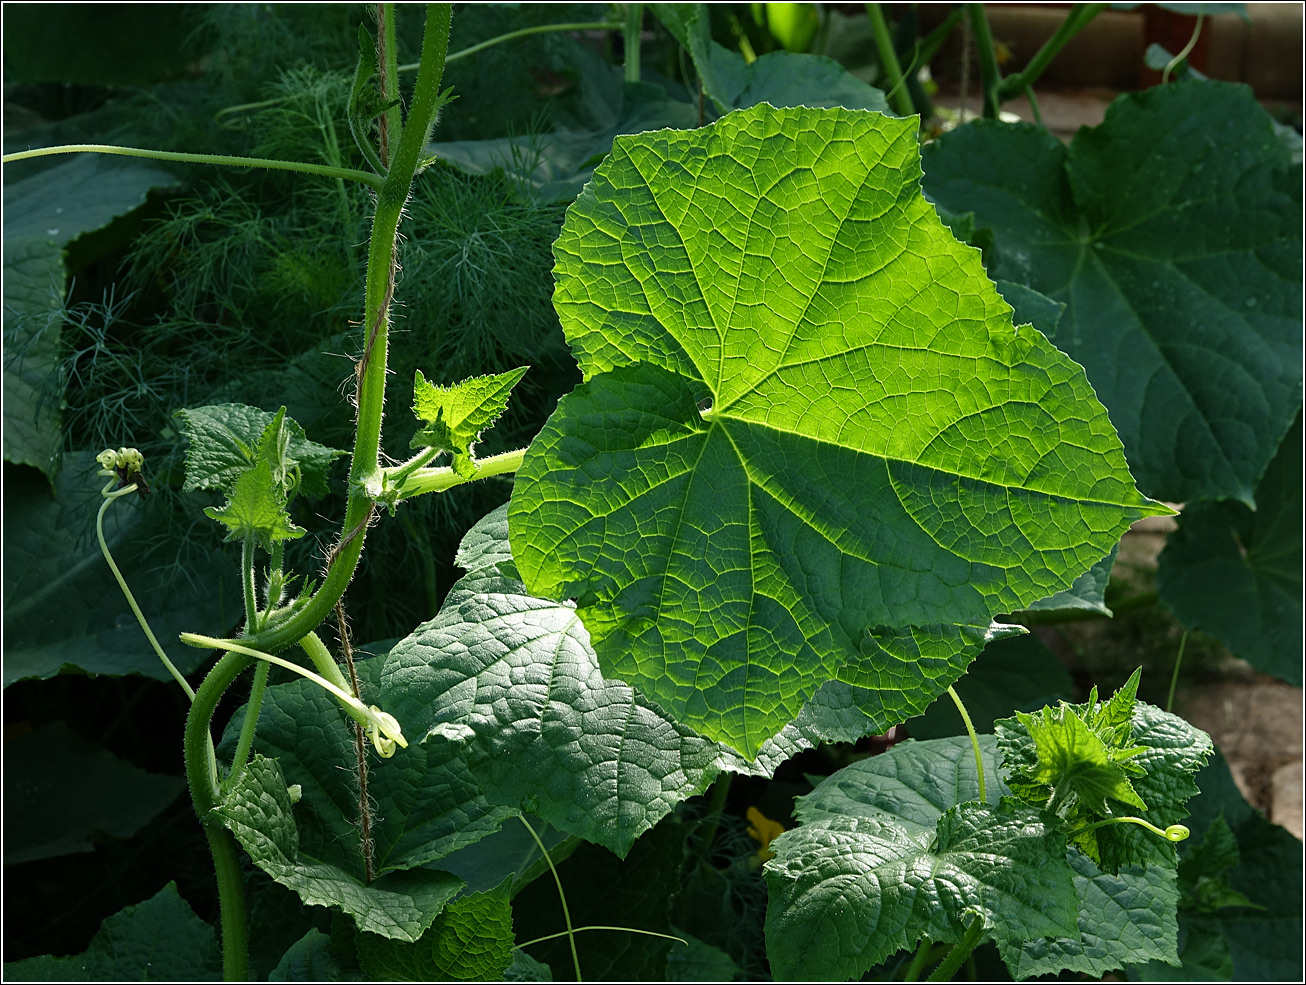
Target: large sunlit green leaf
<point>806,417</point>
<point>1237,574</point>
<point>1173,234</point>
<point>591,756</point>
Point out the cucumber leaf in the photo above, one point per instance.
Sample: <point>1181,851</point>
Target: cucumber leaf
<point>401,904</point>
<point>1173,234</point>
<point>160,939</point>
<point>895,848</point>
<point>256,510</point>
<point>227,440</point>
<point>1124,919</point>
<point>456,415</point>
<point>806,416</point>
<point>1237,574</point>
<point>470,941</point>
<point>591,756</point>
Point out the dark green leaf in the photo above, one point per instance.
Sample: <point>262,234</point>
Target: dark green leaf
<point>1237,574</point>
<point>311,959</point>
<point>1204,871</point>
<point>552,737</point>
<point>400,904</point>
<point>160,940</point>
<point>696,961</point>
<point>64,793</point>
<point>1173,234</point>
<point>50,556</point>
<point>471,940</point>
<point>826,490</point>
<point>223,444</point>
<point>1261,942</point>
<point>425,803</point>
<point>889,851</point>
<point>44,213</point>
<point>1124,919</point>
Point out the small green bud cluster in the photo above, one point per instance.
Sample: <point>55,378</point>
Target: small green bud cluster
<point>126,464</point>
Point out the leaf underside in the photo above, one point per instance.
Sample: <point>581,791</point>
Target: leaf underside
<point>806,418</point>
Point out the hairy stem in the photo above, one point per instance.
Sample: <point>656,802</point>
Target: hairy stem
<point>325,170</point>
<point>204,794</point>
<point>248,727</point>
<point>416,481</point>
<point>247,585</point>
<point>960,953</point>
<point>974,742</point>
<point>360,745</point>
<point>364,473</point>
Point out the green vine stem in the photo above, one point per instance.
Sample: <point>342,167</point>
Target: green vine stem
<point>580,930</point>
<point>405,481</point>
<point>1187,49</point>
<point>889,60</point>
<point>113,497</point>
<point>246,741</point>
<point>1078,18</point>
<point>325,170</point>
<point>202,779</point>
<point>1174,678</point>
<point>974,742</point>
<point>634,21</point>
<point>247,585</point>
<point>521,33</point>
<point>990,75</point>
<point>1175,832</point>
<point>570,932</point>
<point>948,967</point>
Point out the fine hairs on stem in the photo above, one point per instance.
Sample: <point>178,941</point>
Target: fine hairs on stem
<point>360,744</point>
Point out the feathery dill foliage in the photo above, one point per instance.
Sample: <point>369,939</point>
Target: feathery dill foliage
<point>250,289</point>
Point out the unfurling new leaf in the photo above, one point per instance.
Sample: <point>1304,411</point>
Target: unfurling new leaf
<point>456,415</point>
